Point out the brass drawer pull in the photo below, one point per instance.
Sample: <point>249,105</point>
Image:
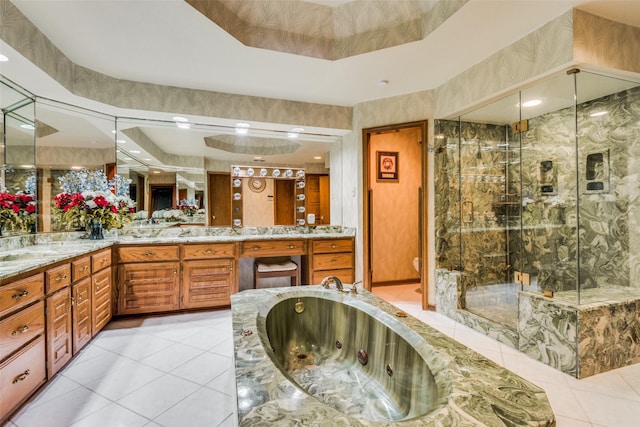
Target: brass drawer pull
<point>292,246</point>
<point>60,277</point>
<point>23,376</point>
<point>21,330</point>
<point>255,248</point>
<point>147,254</point>
<point>104,259</point>
<point>333,246</point>
<point>209,252</point>
<point>20,294</point>
<point>84,268</point>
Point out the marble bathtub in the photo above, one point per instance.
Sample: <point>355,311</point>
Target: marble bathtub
<point>296,357</point>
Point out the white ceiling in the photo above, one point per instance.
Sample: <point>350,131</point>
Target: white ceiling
<point>169,42</point>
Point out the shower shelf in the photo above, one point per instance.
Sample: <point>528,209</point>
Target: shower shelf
<point>497,255</point>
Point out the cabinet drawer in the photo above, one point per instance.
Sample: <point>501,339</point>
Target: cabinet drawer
<point>57,278</point>
<point>20,293</point>
<point>100,260</point>
<point>265,248</point>
<point>333,261</point>
<point>17,330</point>
<point>218,250</point>
<point>148,253</point>
<point>21,375</point>
<point>345,276</point>
<point>80,268</point>
<point>328,246</point>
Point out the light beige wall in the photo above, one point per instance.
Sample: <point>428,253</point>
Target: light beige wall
<point>258,208</point>
<point>395,207</point>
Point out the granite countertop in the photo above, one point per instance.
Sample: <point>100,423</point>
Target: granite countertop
<point>472,389</point>
<point>16,261</point>
<point>29,252</point>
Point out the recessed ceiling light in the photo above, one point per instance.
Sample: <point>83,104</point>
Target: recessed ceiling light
<point>128,158</point>
<point>532,103</point>
<point>382,83</point>
<point>147,159</point>
<point>77,167</point>
<point>257,158</point>
<point>242,131</point>
<point>298,130</point>
<point>134,151</point>
<point>3,58</point>
<point>317,158</point>
<point>243,125</point>
<point>180,119</point>
<point>156,171</point>
<point>183,125</point>
<point>29,127</point>
<point>121,141</point>
<point>292,135</point>
<point>598,114</point>
<point>113,131</point>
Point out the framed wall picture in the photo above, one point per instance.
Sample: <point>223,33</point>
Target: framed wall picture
<point>387,166</point>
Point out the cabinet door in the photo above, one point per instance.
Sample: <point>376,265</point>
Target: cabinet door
<point>81,310</point>
<point>207,283</point>
<point>100,300</point>
<point>59,335</point>
<point>148,287</point>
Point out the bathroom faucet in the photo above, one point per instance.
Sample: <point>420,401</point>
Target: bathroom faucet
<point>325,282</point>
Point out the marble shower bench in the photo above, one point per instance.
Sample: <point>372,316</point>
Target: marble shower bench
<point>580,340</point>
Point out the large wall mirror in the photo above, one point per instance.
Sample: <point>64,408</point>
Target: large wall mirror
<point>164,166</point>
<point>268,196</point>
<point>69,142</point>
<point>17,175</point>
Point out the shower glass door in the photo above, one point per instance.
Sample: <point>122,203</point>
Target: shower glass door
<point>490,210</point>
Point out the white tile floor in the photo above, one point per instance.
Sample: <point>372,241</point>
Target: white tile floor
<point>177,370</point>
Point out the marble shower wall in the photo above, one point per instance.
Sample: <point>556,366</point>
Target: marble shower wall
<point>474,194</point>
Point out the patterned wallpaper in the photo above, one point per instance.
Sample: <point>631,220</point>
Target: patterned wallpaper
<point>310,29</point>
<point>17,31</point>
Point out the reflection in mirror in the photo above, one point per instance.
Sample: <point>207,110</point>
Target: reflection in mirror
<point>17,175</point>
<point>268,196</point>
<point>166,186</point>
<point>69,138</point>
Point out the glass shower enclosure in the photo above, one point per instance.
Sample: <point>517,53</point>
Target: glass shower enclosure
<point>539,192</point>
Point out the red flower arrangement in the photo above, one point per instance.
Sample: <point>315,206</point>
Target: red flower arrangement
<point>17,211</point>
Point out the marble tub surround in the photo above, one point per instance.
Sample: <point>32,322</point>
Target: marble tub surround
<point>471,389</point>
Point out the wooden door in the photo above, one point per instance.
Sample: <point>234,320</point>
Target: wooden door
<point>285,202</point>
<point>219,199</point>
<point>318,198</point>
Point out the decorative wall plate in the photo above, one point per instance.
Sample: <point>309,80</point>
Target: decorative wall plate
<point>257,185</point>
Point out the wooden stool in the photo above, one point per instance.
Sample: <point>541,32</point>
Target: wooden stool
<point>264,269</point>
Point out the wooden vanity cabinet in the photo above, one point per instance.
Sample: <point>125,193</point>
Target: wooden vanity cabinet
<point>148,279</point>
<point>22,342</point>
<point>330,257</point>
<point>100,300</point>
<point>207,275</point>
<point>59,330</point>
